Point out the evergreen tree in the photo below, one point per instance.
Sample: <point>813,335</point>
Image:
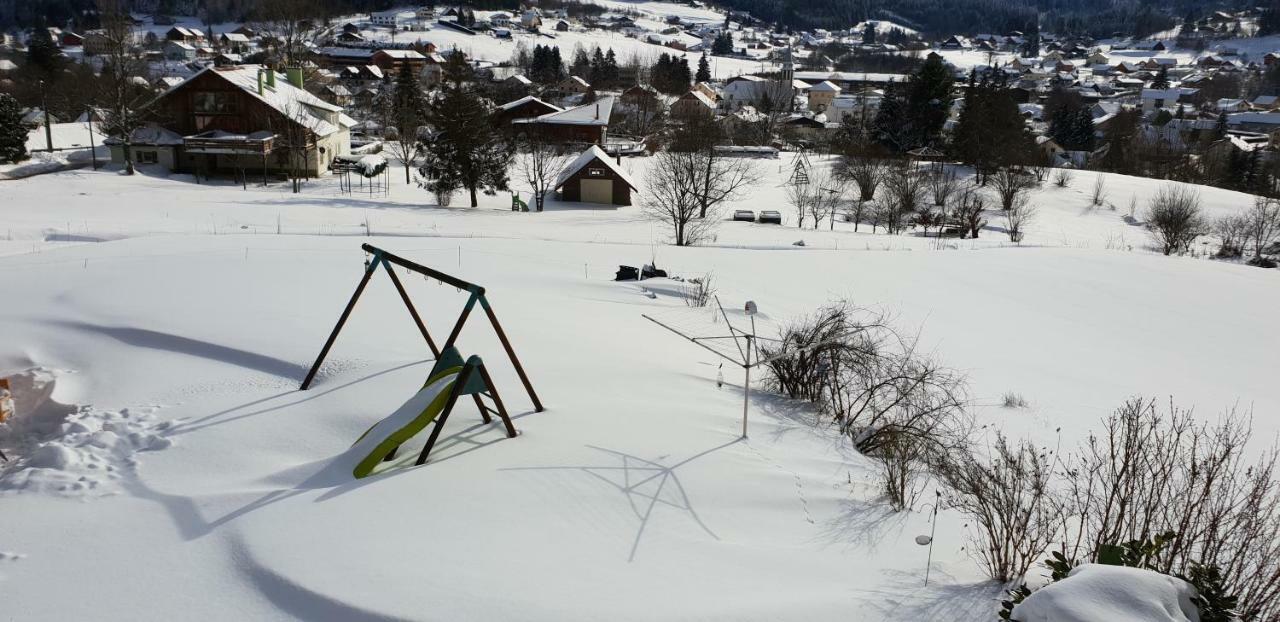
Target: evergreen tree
<point>597,67</point>
<point>13,136</point>
<point>890,125</point>
<point>1120,136</point>
<point>1220,128</point>
<point>581,64</point>
<point>1031,39</point>
<point>611,71</point>
<point>704,69</point>
<point>466,150</point>
<point>1161,81</point>
<point>722,44</point>
<point>1082,138</point>
<point>927,103</point>
<point>43,53</point>
<point>869,34</point>
<point>990,132</point>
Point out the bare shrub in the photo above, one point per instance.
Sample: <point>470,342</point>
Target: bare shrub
<point>1011,184</point>
<point>1062,178</point>
<point>896,405</point>
<point>1010,502</point>
<point>1174,217</point>
<point>1099,189</point>
<point>942,185</point>
<point>700,291</point>
<point>1013,400</point>
<point>864,171</point>
<point>969,209</point>
<point>1017,218</point>
<point>1149,472</point>
<point>1231,232</point>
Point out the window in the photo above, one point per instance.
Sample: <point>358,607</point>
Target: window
<point>214,102</point>
<point>146,157</point>
<point>595,172</point>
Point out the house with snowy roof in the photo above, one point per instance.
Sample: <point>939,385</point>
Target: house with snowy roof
<point>243,118</point>
<point>588,123</point>
<point>593,177</point>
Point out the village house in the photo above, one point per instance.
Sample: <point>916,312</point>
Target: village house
<point>821,95</point>
<point>693,104</point>
<point>242,118</point>
<point>527,107</point>
<point>588,123</point>
<point>190,36</point>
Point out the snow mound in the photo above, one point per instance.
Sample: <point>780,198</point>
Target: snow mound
<point>1095,592</point>
<point>71,450</point>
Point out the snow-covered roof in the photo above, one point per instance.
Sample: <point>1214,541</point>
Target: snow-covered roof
<point>150,135</point>
<point>526,99</point>
<point>403,54</point>
<point>593,153</point>
<point>594,113</point>
<point>7,65</point>
<point>825,87</point>
<point>295,103</point>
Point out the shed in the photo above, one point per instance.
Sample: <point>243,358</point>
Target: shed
<point>593,178</point>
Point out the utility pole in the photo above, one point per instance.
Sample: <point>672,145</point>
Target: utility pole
<point>93,148</point>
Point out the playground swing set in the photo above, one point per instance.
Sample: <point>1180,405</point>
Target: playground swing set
<point>451,377</point>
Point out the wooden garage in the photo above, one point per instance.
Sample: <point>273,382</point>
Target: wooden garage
<point>594,178</point>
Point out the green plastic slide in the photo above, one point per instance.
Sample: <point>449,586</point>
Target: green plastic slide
<point>407,421</point>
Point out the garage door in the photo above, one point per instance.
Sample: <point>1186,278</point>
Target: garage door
<point>597,191</point>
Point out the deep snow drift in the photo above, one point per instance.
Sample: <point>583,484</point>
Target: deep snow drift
<point>631,496</point>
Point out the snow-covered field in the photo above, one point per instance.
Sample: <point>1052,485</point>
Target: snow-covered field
<point>176,324</point>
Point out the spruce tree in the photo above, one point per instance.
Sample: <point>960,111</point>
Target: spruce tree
<point>13,136</point>
<point>869,34</point>
<point>466,151</point>
<point>1082,138</point>
<point>1161,80</point>
<point>611,71</point>
<point>1031,39</point>
<point>704,69</point>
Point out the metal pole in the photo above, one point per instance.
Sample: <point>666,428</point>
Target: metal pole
<point>746,388</point>
<point>93,148</point>
<point>932,530</point>
<point>44,103</point>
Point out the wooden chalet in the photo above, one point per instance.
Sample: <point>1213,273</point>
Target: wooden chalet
<point>588,123</point>
<point>245,118</point>
<point>528,107</point>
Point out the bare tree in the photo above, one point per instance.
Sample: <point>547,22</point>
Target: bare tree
<point>669,199</point>
<point>1017,217</point>
<point>289,25</point>
<point>904,189</point>
<point>1232,234</point>
<point>1010,183</point>
<point>1062,178</point>
<point>120,96</point>
<point>539,166</point>
<point>866,173</point>
<point>1263,225</point>
<point>1174,217</point>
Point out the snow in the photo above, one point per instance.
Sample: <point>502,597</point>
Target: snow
<point>631,497</point>
<point>1096,592</point>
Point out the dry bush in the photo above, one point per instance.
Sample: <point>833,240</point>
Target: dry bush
<point>1262,225</point>
<point>1099,189</point>
<point>1017,218</point>
<point>904,189</point>
<point>864,171</point>
<point>942,185</point>
<point>968,210</point>
<point>700,291</point>
<point>1231,232</point>
<point>1149,472</point>
<point>1011,184</point>
<point>1013,400</point>
<point>1174,218</point>
<point>1008,497</point>
<point>896,405</point>
<point>1062,178</point>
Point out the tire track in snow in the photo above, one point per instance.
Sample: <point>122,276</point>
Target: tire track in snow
<point>804,502</point>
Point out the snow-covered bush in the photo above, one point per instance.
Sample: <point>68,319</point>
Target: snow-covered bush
<point>1013,400</point>
<point>1094,592</point>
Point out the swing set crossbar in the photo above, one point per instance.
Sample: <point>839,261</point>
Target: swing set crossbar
<point>476,294</point>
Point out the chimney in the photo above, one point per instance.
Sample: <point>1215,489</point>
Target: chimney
<point>597,111</point>
<point>295,76</point>
<point>260,81</point>
<point>271,79</point>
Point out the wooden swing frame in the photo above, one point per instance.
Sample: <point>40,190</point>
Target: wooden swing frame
<point>476,295</point>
